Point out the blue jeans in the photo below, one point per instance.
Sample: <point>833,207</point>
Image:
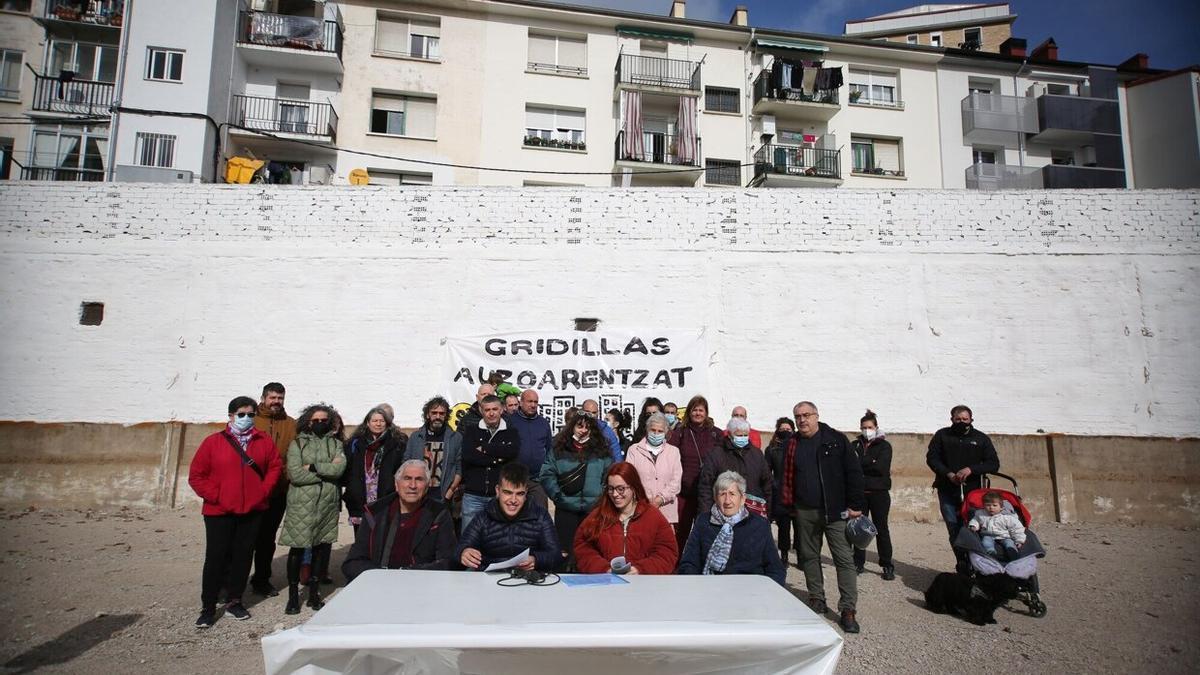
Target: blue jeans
<point>472,505</point>
<point>1009,546</point>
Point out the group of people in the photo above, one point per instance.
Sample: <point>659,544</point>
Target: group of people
<point>679,495</point>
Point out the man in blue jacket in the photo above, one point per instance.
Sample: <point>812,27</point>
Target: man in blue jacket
<point>508,525</point>
<point>592,409</point>
<point>534,431</point>
<point>823,487</point>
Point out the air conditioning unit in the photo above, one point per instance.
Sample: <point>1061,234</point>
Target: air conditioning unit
<point>151,174</point>
<point>768,125</point>
<point>319,175</point>
<point>1036,89</point>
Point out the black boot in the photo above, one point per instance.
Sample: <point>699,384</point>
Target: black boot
<point>314,595</point>
<point>889,572</point>
<point>293,604</point>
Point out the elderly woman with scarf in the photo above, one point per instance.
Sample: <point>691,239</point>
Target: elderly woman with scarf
<point>373,455</point>
<point>729,539</point>
<point>315,465</point>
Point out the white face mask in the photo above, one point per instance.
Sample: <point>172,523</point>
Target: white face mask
<point>870,434</point>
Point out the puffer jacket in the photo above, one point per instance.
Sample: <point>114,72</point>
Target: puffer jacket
<point>226,484</point>
<point>432,547</point>
<point>354,480</point>
<point>1001,526</point>
<point>313,499</point>
<point>497,538</point>
<point>648,543</point>
<point>557,466</point>
<point>753,550</point>
<point>876,458</point>
<point>748,462</point>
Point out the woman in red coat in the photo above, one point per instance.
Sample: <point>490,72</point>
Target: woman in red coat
<point>624,524</point>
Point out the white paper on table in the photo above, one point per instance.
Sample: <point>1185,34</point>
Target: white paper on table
<point>511,562</point>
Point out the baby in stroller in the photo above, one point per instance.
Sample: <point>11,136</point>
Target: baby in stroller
<point>1000,529</point>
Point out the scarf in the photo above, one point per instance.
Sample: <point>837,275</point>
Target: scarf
<point>242,437</point>
<point>718,555</point>
<point>372,459</point>
<point>789,472</point>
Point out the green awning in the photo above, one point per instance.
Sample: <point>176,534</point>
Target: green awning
<point>790,44</point>
<point>654,34</point>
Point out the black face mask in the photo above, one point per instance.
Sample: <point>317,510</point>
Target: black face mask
<point>783,434</point>
<point>320,428</point>
<point>960,428</point>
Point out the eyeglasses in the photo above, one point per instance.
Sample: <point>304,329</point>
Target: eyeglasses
<point>804,416</point>
<point>618,489</point>
<point>245,414</point>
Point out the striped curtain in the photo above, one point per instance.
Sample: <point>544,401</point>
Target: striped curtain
<point>631,115</point>
<point>685,131</point>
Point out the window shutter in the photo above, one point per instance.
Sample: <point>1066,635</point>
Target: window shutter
<point>887,155</point>
<point>570,119</point>
<point>421,117</point>
<point>539,118</point>
<point>423,27</point>
<point>391,35</point>
<point>541,49</point>
<point>572,53</point>
<point>385,102</point>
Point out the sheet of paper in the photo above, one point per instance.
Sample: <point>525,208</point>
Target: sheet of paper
<point>593,580</point>
<point>508,564</point>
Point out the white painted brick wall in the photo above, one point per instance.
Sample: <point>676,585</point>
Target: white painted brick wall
<point>1071,311</point>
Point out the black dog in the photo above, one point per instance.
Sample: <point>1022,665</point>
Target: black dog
<point>975,600</point>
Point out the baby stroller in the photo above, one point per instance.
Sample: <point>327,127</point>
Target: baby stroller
<point>1023,569</point>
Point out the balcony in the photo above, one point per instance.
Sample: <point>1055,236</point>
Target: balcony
<point>74,97</point>
<point>286,117</point>
<point>1070,176</point>
<point>659,159</point>
<point>57,173</point>
<point>791,166</point>
<point>71,15</point>
<point>1003,177</point>
<point>793,104</point>
<point>652,73</point>
<point>996,119</point>
<point>287,41</point>
<point>1074,120</point>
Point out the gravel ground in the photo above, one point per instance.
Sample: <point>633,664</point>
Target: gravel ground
<point>116,592</point>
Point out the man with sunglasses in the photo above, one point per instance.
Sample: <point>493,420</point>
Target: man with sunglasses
<point>234,472</point>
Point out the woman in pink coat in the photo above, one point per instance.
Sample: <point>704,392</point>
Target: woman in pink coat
<point>657,463</point>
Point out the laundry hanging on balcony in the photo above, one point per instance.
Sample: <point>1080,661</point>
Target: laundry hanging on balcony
<point>632,146</point>
<point>686,131</point>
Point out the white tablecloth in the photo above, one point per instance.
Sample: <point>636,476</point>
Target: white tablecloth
<point>394,621</point>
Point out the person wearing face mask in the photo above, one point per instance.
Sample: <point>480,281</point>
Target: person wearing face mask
<point>650,406</point>
<point>875,453</point>
<point>959,455</point>
<point>573,478</point>
<point>234,472</point>
<point>315,466</point>
<point>737,454</point>
<point>781,515</point>
<point>657,463</point>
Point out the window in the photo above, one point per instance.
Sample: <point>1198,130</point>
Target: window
<point>403,115</point>
<point>972,38</point>
<point>873,87</point>
<point>1062,157</point>
<point>165,65</point>
<point>652,48</point>
<point>293,111</point>
<point>880,156</point>
<point>10,73</point>
<point>91,313</point>
<point>1058,89</point>
<point>558,54</point>
<point>69,152</point>
<point>721,99</point>
<point>381,177</point>
<point>911,39</point>
<point>16,6</point>
<point>154,150</point>
<point>89,62</point>
<point>983,156</point>
<point>722,172</point>
<point>935,39</point>
<point>555,128</point>
<point>416,37</point>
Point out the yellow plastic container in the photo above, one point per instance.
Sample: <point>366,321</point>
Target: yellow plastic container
<point>241,170</point>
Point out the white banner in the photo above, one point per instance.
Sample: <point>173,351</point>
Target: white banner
<point>618,368</point>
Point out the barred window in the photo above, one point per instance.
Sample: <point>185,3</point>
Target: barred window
<point>721,99</point>
<point>722,172</point>
<point>154,150</point>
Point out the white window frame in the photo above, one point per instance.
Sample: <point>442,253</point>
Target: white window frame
<point>98,133</point>
<point>170,56</point>
<point>862,139</point>
<point>11,91</point>
<point>431,45</point>
<point>935,39</point>
<point>866,77</point>
<point>151,149</point>
<point>557,67</point>
<point>912,39</point>
<point>403,178</point>
<point>405,98</point>
<point>967,39</point>
<point>97,59</point>
<point>563,134</point>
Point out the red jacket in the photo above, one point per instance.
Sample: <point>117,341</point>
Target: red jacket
<point>225,483</point>
<point>649,545</point>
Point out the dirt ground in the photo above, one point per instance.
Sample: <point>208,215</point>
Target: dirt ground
<point>117,592</point>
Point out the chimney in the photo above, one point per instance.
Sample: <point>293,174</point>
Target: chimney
<point>1013,46</point>
<point>678,8</point>
<point>1138,61</point>
<point>741,16</point>
<point>1047,51</point>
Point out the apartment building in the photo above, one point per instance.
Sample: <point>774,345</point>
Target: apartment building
<point>21,51</point>
<point>1163,119</point>
<point>973,27</point>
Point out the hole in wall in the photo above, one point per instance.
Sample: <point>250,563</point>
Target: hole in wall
<point>91,313</point>
<point>587,324</point>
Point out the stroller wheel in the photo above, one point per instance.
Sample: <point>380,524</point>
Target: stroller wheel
<point>1037,608</point>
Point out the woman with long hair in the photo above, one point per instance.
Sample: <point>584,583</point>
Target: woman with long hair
<point>650,406</point>
<point>315,465</point>
<point>695,438</point>
<point>625,533</point>
<point>781,515</point>
<point>573,477</point>
<point>373,455</point>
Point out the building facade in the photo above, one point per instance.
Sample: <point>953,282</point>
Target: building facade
<point>972,27</point>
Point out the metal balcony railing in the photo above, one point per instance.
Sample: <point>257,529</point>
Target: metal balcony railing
<point>282,115</point>
<point>294,32</point>
<point>787,160</point>
<point>763,89</point>
<point>98,12</point>
<point>984,176</point>
<point>653,71</point>
<point>660,149</point>
<point>77,97</point>
<point>997,118</point>
<point>58,173</point>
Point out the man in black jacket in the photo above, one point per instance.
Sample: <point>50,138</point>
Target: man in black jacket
<point>823,486</point>
<point>508,525</point>
<point>487,445</point>
<point>959,455</point>
<point>404,530</point>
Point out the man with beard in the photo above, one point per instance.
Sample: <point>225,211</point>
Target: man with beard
<point>440,447</point>
<point>959,455</point>
<point>272,420</point>
<point>534,432</point>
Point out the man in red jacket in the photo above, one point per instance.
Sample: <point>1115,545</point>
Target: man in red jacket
<point>234,472</point>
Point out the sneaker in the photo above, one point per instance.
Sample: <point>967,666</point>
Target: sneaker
<point>207,618</point>
<point>848,622</point>
<point>889,572</point>
<point>818,606</point>
<point>238,611</point>
<point>264,589</point>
